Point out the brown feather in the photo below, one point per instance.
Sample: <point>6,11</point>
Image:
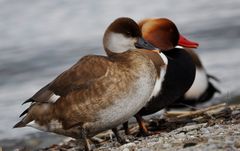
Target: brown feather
<point>156,59</point>
<point>19,124</point>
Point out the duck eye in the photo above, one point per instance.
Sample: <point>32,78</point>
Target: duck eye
<point>128,33</point>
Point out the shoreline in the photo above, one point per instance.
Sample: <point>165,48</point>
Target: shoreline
<point>216,127</point>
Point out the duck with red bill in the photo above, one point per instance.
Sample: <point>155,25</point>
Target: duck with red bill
<point>184,75</point>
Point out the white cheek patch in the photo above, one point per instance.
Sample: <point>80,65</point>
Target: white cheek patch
<point>53,98</point>
<point>119,43</point>
<point>199,85</point>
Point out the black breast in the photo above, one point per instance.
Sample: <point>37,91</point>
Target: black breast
<point>178,79</point>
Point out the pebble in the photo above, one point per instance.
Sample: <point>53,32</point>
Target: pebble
<point>236,112</point>
<point>125,149</point>
<point>129,146</point>
<point>180,135</point>
<point>237,143</point>
<point>205,130</point>
<point>144,149</point>
<point>166,145</point>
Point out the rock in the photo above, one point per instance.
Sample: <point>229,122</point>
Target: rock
<point>237,143</point>
<point>144,149</point>
<point>125,149</point>
<point>180,136</point>
<point>128,147</point>
<point>189,144</point>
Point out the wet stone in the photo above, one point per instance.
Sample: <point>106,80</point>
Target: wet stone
<point>237,143</point>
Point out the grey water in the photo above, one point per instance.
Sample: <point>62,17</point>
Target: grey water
<point>40,39</point>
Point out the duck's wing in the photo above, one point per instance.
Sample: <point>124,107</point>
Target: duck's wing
<point>79,76</point>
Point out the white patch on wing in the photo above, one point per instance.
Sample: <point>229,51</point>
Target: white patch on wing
<point>158,84</point>
<point>53,98</point>
<point>37,126</point>
<point>199,85</point>
<point>53,125</point>
<point>119,43</point>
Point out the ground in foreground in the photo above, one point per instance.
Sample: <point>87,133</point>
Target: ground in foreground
<point>214,128</point>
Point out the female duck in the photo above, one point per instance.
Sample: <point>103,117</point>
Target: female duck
<point>98,92</point>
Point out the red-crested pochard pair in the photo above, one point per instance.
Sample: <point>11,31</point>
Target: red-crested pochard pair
<point>101,92</point>
<point>186,82</point>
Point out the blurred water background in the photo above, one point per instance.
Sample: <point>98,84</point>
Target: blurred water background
<point>40,38</point>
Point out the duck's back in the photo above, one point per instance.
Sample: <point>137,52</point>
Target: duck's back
<point>178,79</point>
<point>97,100</point>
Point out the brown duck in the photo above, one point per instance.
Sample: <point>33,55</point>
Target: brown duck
<point>98,92</point>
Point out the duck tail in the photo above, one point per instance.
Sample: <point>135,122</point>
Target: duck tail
<point>213,77</point>
<point>211,90</point>
<point>214,89</point>
<point>25,120</point>
<point>19,124</point>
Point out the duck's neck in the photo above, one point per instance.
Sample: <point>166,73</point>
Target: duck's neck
<point>109,52</point>
<point>113,53</point>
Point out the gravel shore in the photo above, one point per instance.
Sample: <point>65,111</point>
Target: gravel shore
<point>213,128</point>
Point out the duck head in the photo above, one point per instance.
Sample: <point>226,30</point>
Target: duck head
<point>163,33</point>
<point>122,35</point>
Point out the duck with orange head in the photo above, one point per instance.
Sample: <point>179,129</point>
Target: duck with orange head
<point>185,80</point>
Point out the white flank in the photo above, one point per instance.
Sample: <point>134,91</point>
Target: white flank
<point>199,85</point>
<point>157,87</point>
<point>53,98</point>
<point>158,84</point>
<point>165,60</point>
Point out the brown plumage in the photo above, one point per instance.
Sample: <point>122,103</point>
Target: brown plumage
<point>98,92</point>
